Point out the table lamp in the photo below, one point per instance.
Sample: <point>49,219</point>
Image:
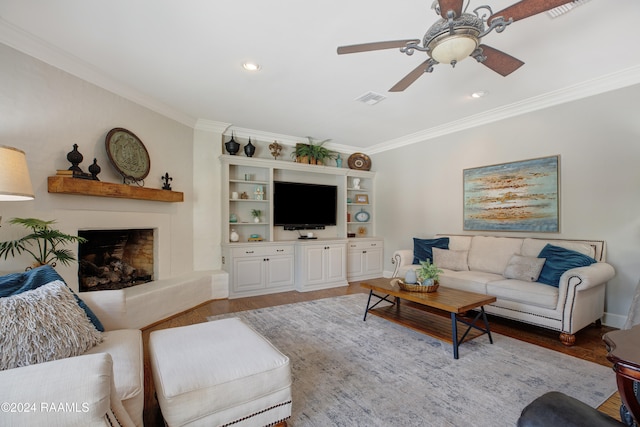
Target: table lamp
<point>15,183</point>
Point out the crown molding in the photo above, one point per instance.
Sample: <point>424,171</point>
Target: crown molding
<point>602,84</point>
<point>38,48</point>
<point>211,126</point>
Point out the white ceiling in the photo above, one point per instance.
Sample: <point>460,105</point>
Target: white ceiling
<point>184,59</point>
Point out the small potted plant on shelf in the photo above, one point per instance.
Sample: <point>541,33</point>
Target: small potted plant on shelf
<point>428,273</point>
<point>43,243</point>
<point>302,153</point>
<point>255,213</point>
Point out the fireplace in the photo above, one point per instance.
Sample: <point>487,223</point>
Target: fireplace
<point>115,259</point>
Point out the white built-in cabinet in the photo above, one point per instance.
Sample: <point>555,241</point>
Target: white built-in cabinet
<point>365,258</point>
<point>267,259</point>
<point>321,265</point>
<point>260,269</point>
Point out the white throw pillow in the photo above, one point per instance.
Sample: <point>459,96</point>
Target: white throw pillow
<point>450,260</point>
<point>525,268</point>
<point>42,325</point>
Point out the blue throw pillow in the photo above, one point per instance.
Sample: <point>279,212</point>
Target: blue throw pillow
<point>17,283</point>
<point>422,248</point>
<point>558,261</point>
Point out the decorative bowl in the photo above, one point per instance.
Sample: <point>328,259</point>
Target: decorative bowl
<point>414,287</point>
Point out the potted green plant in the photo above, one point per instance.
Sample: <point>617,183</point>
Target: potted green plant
<point>43,243</point>
<point>318,152</point>
<point>428,273</point>
<point>302,153</point>
<point>255,213</point>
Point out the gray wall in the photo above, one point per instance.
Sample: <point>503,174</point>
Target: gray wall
<point>419,187</point>
<point>44,111</point>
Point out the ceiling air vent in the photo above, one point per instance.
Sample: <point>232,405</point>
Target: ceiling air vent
<point>565,8</point>
<point>371,98</point>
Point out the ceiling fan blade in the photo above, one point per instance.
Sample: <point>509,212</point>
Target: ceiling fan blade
<point>366,47</point>
<point>526,8</point>
<point>447,5</point>
<point>412,76</point>
<point>499,61</point>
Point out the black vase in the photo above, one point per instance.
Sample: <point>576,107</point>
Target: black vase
<point>249,149</point>
<point>75,158</point>
<point>232,146</point>
<point>95,169</point>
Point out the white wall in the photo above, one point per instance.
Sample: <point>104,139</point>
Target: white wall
<point>419,187</point>
<point>44,111</point>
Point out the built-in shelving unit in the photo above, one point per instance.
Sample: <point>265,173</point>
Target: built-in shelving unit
<point>88,187</point>
<point>248,185</point>
<point>271,263</point>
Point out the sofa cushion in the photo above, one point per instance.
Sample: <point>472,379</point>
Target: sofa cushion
<point>492,254</point>
<point>422,248</point>
<point>532,247</point>
<point>125,348</point>
<point>559,260</point>
<point>451,260</point>
<point>470,281</point>
<point>529,293</point>
<point>16,283</point>
<point>42,325</point>
<point>525,268</point>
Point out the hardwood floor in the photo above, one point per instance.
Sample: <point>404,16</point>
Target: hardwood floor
<point>589,345</point>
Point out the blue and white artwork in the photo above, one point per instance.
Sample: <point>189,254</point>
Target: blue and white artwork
<point>517,196</point>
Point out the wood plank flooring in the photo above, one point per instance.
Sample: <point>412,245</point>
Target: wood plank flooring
<point>588,346</point>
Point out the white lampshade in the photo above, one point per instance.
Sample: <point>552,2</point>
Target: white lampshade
<point>454,48</point>
<point>15,183</point>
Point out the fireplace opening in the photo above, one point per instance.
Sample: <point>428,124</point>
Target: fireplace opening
<point>115,259</point>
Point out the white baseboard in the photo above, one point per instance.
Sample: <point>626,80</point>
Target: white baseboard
<point>614,320</point>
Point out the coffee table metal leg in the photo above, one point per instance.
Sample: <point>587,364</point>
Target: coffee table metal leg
<point>366,310</point>
<point>486,324</point>
<point>454,334</point>
<point>380,299</point>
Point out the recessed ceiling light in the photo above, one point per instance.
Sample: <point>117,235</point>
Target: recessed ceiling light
<point>251,66</point>
<point>479,94</point>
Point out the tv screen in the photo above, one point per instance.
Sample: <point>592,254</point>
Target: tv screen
<point>299,206</point>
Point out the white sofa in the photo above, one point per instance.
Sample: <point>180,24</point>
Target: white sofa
<point>577,302</point>
<point>106,383</point>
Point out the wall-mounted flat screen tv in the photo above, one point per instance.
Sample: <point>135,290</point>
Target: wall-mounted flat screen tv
<point>298,206</point>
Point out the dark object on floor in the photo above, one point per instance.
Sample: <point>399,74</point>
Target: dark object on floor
<point>557,409</point>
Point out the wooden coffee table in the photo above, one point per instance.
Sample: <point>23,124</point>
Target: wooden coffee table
<point>428,313</point>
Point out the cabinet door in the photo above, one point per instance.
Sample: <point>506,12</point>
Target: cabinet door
<point>373,261</point>
<point>314,264</point>
<point>248,273</point>
<point>335,265</point>
<point>280,271</point>
<point>355,263</point>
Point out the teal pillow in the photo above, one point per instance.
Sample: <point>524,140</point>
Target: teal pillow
<point>17,283</point>
<point>559,260</point>
<point>422,248</point>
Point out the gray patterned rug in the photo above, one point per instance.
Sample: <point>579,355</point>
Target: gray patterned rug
<point>347,372</point>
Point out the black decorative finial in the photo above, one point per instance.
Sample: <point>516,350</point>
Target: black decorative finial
<point>166,178</point>
<point>75,158</point>
<point>94,170</point>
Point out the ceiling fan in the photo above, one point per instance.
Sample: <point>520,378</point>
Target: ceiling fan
<point>457,35</point>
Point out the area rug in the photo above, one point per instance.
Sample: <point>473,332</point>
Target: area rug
<point>347,372</point>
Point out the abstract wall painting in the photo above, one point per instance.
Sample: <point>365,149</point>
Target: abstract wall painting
<point>516,196</point>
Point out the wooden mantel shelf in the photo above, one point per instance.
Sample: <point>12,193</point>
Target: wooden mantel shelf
<point>87,187</point>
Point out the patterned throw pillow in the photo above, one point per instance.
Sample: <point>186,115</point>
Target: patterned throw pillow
<point>16,283</point>
<point>42,325</point>
<point>450,260</point>
<point>525,268</point>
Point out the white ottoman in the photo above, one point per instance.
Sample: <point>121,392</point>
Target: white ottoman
<point>219,373</point>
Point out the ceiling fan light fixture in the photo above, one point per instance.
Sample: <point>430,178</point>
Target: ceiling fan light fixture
<point>453,48</point>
